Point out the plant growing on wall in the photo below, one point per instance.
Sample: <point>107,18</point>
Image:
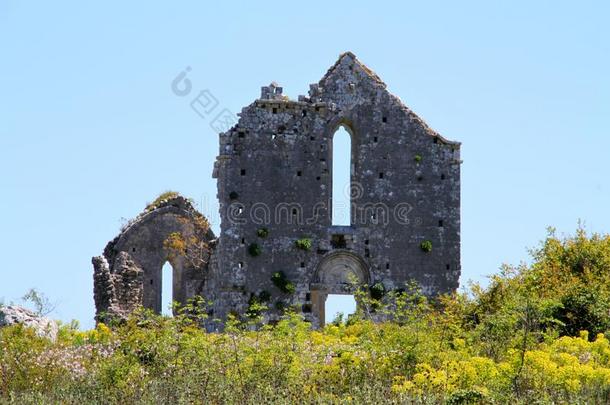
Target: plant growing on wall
<point>262,232</point>
<point>167,195</point>
<point>254,249</point>
<point>280,281</point>
<point>426,246</point>
<point>417,158</point>
<point>377,291</point>
<point>303,244</point>
<point>190,244</point>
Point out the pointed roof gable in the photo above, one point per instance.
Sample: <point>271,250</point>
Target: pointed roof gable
<point>349,59</point>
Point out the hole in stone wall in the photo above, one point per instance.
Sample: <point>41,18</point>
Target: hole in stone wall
<point>318,178</point>
<point>341,174</point>
<point>240,265</point>
<point>448,267</point>
<point>387,266</point>
<point>375,139</point>
<point>366,241</point>
<point>243,241</point>
<point>274,110</point>
<point>304,113</point>
<point>133,249</point>
<point>242,172</point>
<point>443,176</point>
<point>241,134</point>
<point>299,173</point>
<point>384,119</point>
<point>440,223</point>
<point>367,253</point>
<point>381,175</point>
<point>339,307</point>
<point>302,264</point>
<point>167,273</point>
<point>435,140</point>
<point>337,241</point>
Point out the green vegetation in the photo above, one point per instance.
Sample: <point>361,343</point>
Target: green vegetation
<point>303,244</point>
<point>426,246</point>
<point>418,158</point>
<point>262,232</point>
<point>280,281</point>
<point>535,334</point>
<point>254,249</point>
<point>166,195</point>
<point>377,291</point>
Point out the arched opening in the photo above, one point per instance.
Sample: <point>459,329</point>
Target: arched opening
<point>339,307</point>
<point>341,177</point>
<point>167,289</point>
<point>333,284</point>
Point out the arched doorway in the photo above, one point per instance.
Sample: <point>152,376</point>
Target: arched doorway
<point>339,272</point>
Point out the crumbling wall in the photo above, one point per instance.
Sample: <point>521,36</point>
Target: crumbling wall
<point>274,173</point>
<point>277,244</point>
<point>128,274</point>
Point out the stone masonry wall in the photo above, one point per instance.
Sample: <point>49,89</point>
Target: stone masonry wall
<point>274,171</point>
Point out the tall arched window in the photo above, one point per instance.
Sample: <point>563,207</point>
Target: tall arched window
<point>167,278</point>
<point>341,173</point>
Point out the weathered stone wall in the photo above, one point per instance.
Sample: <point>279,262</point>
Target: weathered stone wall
<point>128,275</point>
<point>274,171</point>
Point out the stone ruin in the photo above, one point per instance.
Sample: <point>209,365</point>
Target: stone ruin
<point>277,242</point>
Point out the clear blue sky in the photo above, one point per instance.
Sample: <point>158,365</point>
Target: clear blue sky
<point>90,130</point>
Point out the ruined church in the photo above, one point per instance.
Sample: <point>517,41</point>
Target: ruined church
<point>278,243</point>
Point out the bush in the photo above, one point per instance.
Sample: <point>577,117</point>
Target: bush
<point>303,244</point>
<point>509,342</point>
<point>418,158</point>
<point>262,232</point>
<point>426,246</point>
<point>280,281</point>
<point>167,195</point>
<point>254,250</point>
<point>377,291</point>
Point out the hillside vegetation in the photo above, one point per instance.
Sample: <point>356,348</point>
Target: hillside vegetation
<point>534,335</point>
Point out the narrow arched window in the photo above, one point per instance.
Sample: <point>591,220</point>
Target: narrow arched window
<point>167,290</point>
<point>341,177</point>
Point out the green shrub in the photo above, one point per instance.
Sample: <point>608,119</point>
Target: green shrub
<point>426,246</point>
<point>280,281</point>
<point>166,195</point>
<point>303,244</point>
<point>262,232</point>
<point>254,249</point>
<point>377,291</point>
<point>418,158</point>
